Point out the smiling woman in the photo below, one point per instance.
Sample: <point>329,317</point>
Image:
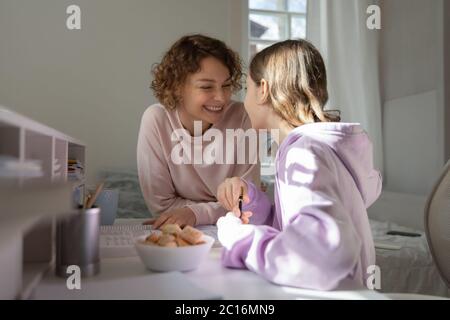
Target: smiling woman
<point>205,95</point>
<point>194,83</point>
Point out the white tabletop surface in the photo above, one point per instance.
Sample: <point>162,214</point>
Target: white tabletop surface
<point>127,278</point>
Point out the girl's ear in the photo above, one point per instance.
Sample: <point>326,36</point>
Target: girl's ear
<point>263,91</point>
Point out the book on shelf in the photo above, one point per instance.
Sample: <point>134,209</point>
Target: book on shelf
<point>11,167</point>
<point>75,170</point>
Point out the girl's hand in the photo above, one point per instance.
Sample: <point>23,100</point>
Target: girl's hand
<point>231,229</point>
<point>180,216</point>
<point>228,194</point>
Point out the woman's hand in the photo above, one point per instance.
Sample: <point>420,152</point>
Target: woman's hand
<point>228,194</point>
<point>180,216</point>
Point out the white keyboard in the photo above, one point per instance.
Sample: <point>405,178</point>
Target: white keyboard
<point>117,241</point>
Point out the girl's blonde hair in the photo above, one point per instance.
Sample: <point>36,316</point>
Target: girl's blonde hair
<point>184,58</point>
<point>297,80</point>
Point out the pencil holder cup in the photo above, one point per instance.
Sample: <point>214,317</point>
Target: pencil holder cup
<point>77,242</point>
<point>108,201</point>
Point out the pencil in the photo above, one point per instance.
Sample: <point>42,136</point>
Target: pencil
<point>241,198</point>
<point>88,197</point>
<point>92,199</point>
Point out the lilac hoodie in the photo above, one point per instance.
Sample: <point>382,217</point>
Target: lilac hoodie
<point>318,231</point>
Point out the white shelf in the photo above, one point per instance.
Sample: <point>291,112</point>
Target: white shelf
<point>33,273</point>
<point>11,118</point>
<point>28,206</point>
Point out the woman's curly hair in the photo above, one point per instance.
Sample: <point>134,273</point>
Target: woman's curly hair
<point>184,58</point>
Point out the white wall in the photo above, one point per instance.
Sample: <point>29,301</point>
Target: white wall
<point>411,60</point>
<point>93,83</point>
<point>445,89</point>
<point>408,47</point>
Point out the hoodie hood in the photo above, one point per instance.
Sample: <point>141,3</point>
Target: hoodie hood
<point>352,146</point>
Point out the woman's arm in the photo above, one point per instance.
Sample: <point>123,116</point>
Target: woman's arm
<point>154,176</point>
<point>156,181</point>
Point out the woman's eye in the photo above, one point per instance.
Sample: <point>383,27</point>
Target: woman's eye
<point>226,85</point>
<point>206,88</point>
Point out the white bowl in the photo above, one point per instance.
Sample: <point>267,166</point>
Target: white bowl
<point>165,259</point>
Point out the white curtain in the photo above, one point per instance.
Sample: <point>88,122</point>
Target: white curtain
<point>350,50</point>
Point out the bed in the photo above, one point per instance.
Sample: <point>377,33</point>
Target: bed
<point>409,269</point>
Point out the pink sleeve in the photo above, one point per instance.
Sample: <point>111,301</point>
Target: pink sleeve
<point>154,176</point>
<point>155,179</point>
<point>207,212</point>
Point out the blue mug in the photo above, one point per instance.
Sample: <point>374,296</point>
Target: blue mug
<point>107,201</point>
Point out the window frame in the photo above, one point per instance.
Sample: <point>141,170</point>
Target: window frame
<point>267,163</point>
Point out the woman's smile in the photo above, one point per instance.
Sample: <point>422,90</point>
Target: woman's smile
<point>216,109</point>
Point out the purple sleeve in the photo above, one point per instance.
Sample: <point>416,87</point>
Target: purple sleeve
<point>259,205</point>
<point>318,246</point>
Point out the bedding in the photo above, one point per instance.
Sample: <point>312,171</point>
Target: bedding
<point>131,203</point>
<point>410,269</point>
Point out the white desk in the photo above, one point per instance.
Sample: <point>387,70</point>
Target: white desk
<point>130,273</point>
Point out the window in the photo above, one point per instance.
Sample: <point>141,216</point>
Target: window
<point>271,21</point>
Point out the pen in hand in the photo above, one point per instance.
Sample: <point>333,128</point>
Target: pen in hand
<point>244,216</point>
<point>241,199</point>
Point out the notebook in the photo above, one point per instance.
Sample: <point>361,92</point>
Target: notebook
<point>387,246</point>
